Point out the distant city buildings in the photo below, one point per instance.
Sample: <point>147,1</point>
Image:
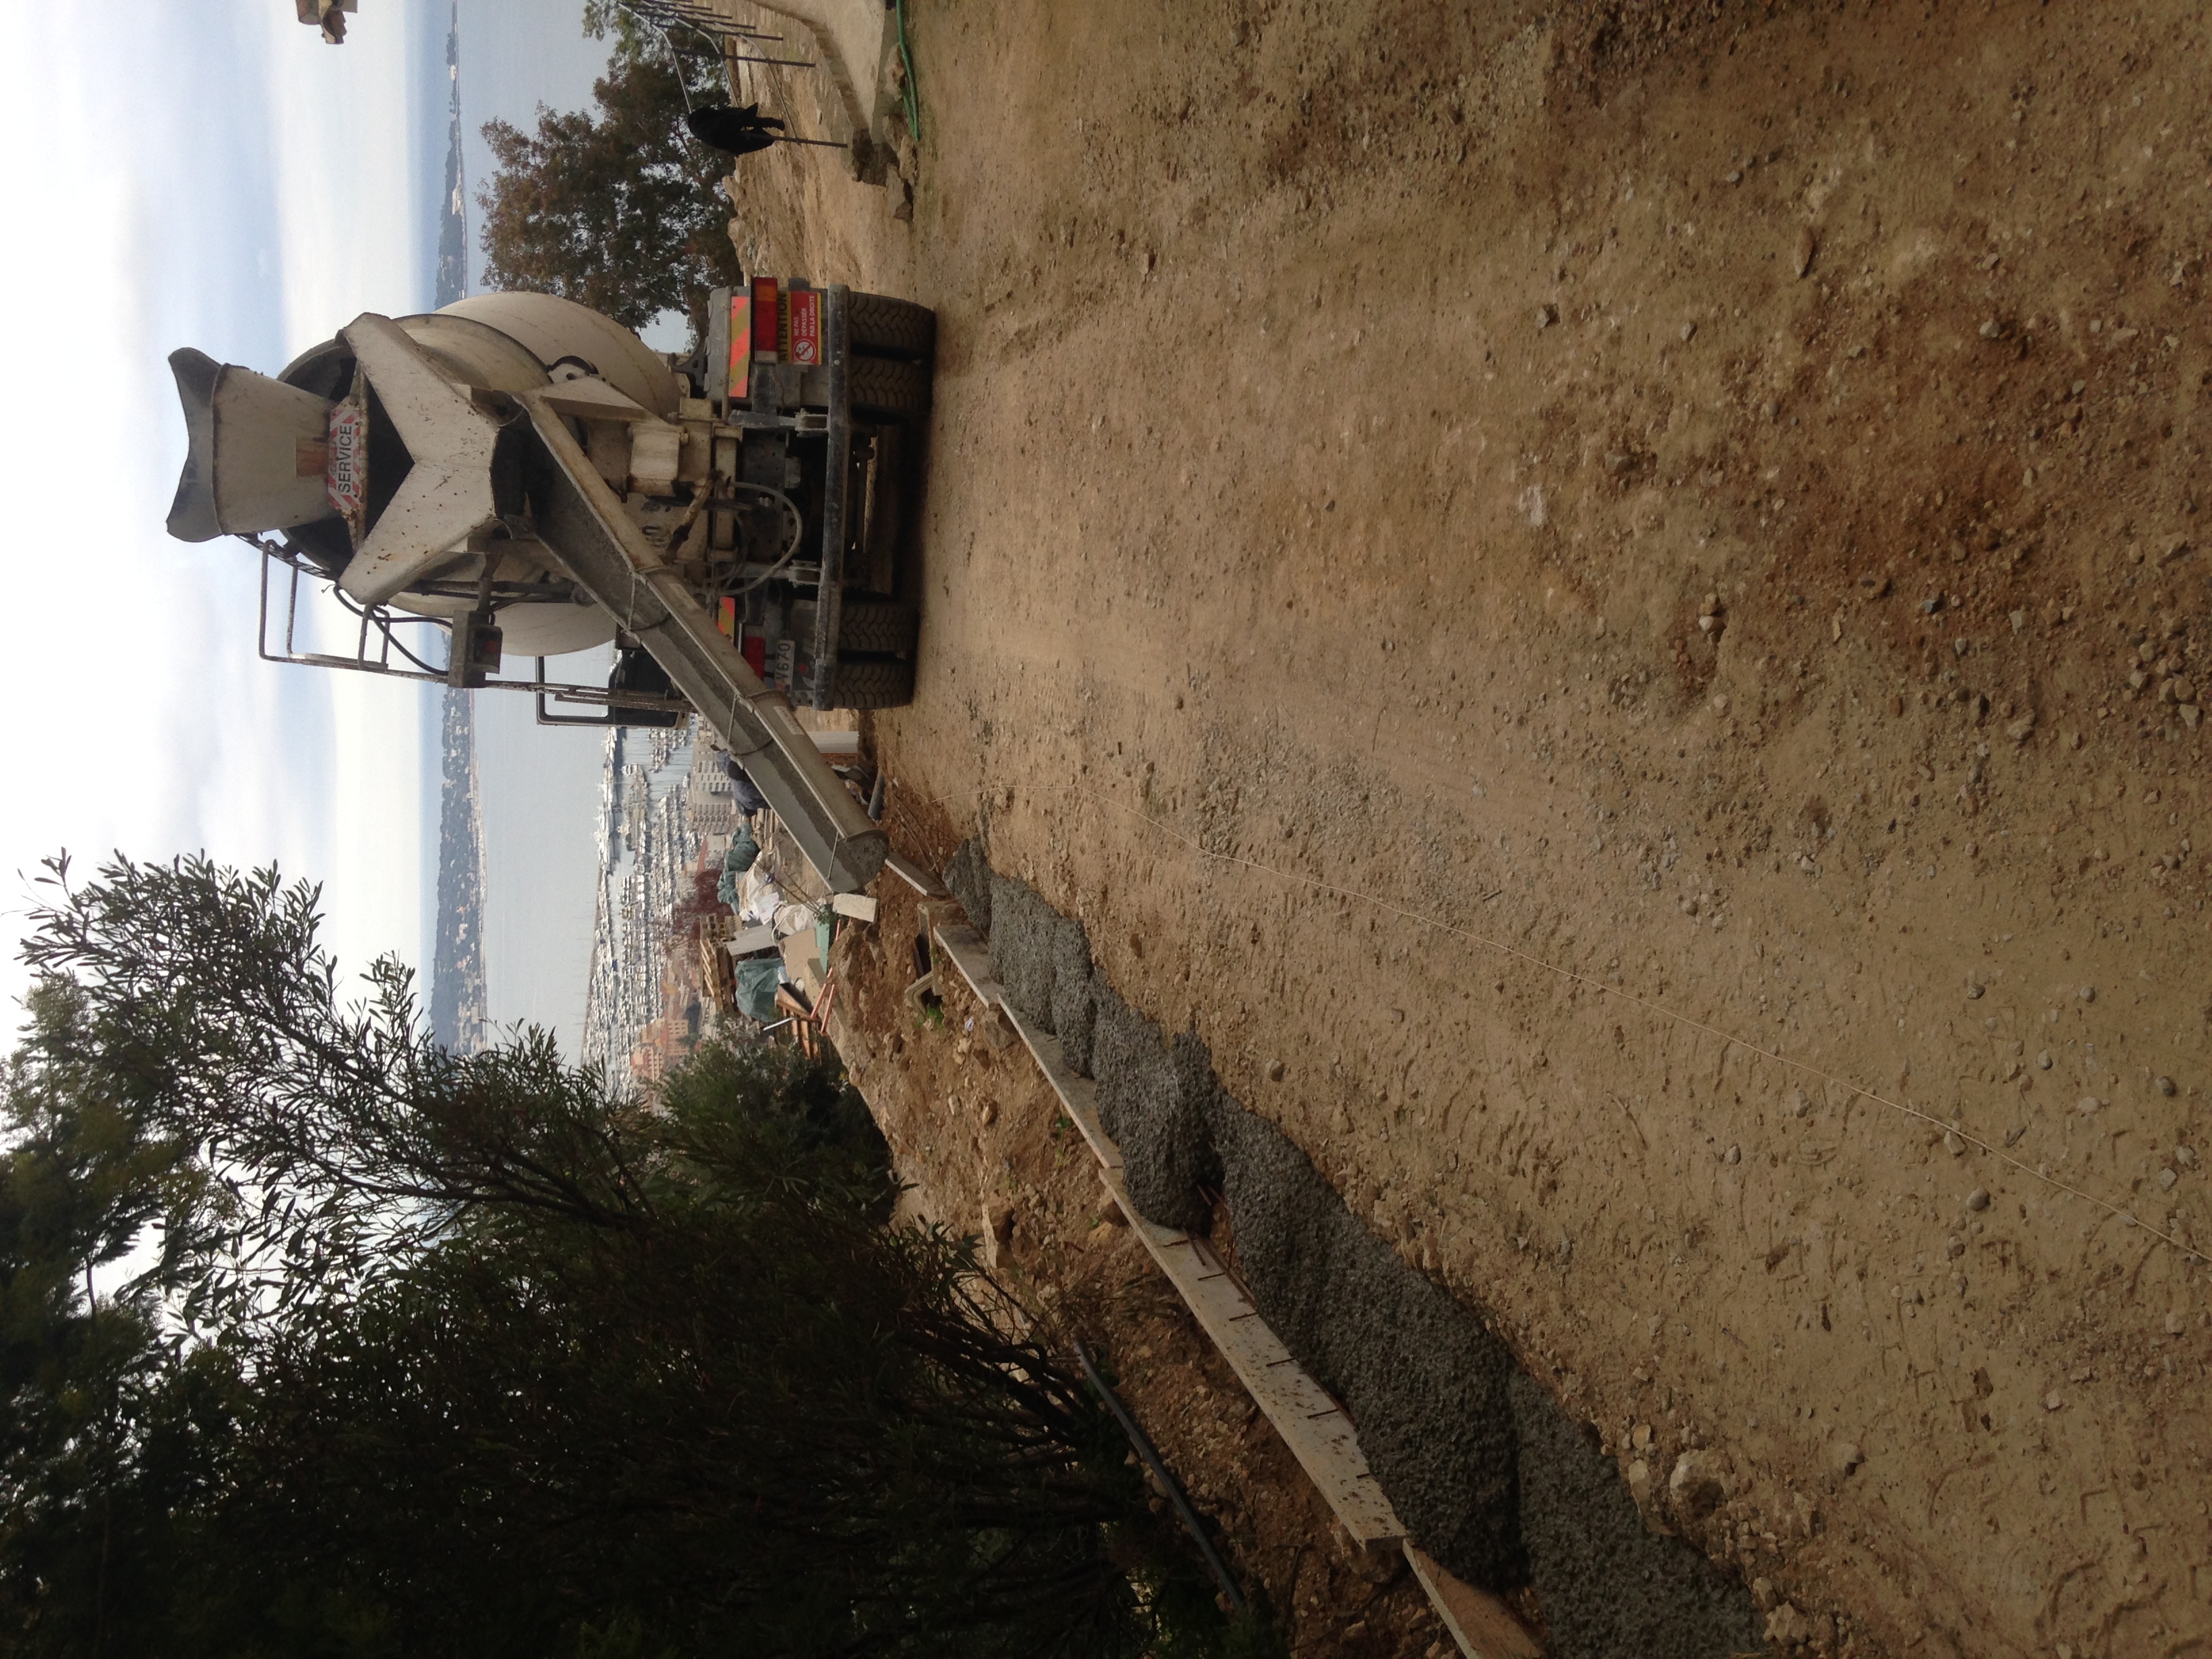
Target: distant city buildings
<point>662,794</point>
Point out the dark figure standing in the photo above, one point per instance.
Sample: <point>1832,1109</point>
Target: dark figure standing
<point>733,131</point>
<point>740,131</point>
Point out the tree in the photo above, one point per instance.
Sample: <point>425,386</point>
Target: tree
<point>431,1354</point>
<point>621,212</point>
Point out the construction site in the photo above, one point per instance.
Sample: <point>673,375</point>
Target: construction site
<point>1559,675</point>
<point>1481,726</point>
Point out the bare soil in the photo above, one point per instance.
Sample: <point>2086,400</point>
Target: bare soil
<point>1612,612</point>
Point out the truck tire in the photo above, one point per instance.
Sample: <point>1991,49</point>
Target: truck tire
<point>872,683</point>
<point>878,627</point>
<point>883,386</point>
<point>890,328</point>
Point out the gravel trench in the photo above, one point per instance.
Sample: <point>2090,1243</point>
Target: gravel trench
<point>1491,1477</point>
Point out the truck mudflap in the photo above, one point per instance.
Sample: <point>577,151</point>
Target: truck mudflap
<point>583,524</point>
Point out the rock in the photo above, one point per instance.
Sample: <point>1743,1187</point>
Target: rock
<point>2165,1180</point>
<point>2191,713</point>
<point>1638,1477</point>
<point>1547,315</point>
<point>2089,1106</point>
<point>1762,1594</point>
<point>1990,328</point>
<point>2023,729</point>
<point>1955,1143</point>
<point>2087,994</point>
<point>2174,1323</point>
<point>1844,1456</point>
<point>1733,176</point>
<point>2165,1086</point>
<point>1799,1105</point>
<point>1786,1624</point>
<point>2185,1157</point>
<point>1640,1437</point>
<point>1974,992</point>
<point>1734,1155</point>
<point>2053,1401</point>
<point>2183,690</point>
<point>1688,331</point>
<point>1978,1200</point>
<point>2043,1061</point>
<point>1801,256</point>
<point>1274,1071</point>
<point>1699,1484</point>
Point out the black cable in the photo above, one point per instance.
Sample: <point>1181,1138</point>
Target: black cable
<point>1145,1450</point>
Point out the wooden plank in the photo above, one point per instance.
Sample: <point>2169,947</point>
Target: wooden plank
<point>913,876</point>
<point>746,940</point>
<point>1483,1625</point>
<point>1313,1425</point>
<point>965,946</point>
<point>1079,1096</point>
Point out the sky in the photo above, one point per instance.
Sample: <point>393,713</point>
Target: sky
<point>538,786</point>
<point>212,174</point>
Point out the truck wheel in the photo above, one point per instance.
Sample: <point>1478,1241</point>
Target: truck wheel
<point>883,385</point>
<point>882,627</point>
<point>877,682</point>
<point>889,327</point>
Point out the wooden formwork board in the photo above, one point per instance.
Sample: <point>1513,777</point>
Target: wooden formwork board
<point>1079,1096</point>
<point>913,875</point>
<point>965,946</point>
<point>1312,1425</point>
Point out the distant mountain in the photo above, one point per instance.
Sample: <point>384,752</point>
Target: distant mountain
<point>458,1008</point>
<point>453,211</point>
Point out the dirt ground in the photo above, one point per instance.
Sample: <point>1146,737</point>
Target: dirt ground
<point>1611,611</point>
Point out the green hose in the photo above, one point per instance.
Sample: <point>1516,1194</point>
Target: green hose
<point>906,58</point>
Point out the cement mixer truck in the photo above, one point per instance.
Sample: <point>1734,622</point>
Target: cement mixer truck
<point>516,477</point>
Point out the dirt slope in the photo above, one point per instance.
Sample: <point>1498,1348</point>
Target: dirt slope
<point>1701,501</point>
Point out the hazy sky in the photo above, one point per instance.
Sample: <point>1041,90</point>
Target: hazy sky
<point>539,787</point>
<point>211,174</point>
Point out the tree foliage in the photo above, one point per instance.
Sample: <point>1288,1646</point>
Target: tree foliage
<point>618,209</point>
<point>429,1354</point>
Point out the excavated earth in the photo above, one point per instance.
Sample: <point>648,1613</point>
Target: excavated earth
<point>1603,614</point>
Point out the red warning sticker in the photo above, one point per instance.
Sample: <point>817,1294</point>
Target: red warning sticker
<point>806,326</point>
